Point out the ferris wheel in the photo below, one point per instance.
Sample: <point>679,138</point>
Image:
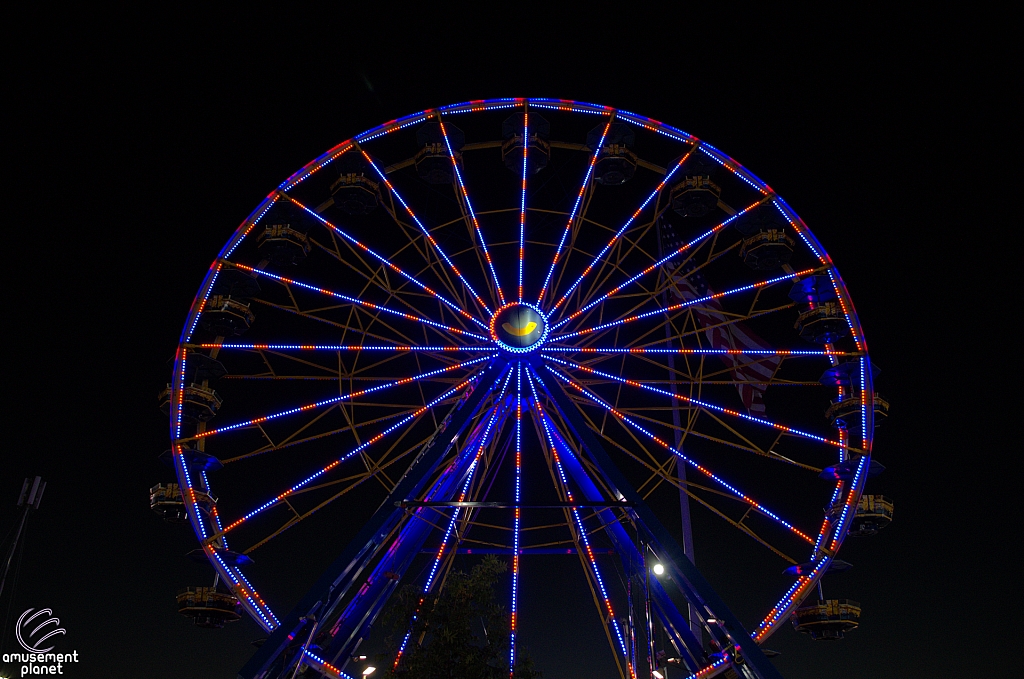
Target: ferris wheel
<point>524,327</point>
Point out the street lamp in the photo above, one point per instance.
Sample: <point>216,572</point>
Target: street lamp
<point>370,669</point>
<point>658,570</point>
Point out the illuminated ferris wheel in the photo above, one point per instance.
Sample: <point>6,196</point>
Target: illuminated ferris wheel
<point>523,327</point>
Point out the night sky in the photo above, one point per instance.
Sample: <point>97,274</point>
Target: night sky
<point>142,142</point>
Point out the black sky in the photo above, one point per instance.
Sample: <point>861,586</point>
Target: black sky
<point>142,140</point>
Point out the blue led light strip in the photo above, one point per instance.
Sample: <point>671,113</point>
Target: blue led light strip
<point>619,233</point>
<point>324,666</point>
<point>216,266</point>
<point>572,214</point>
<point>342,347</point>
<point>542,416</point>
<point>353,300</point>
<point>522,199</point>
<point>256,604</point>
<point>700,674</point>
<point>700,404</point>
<point>426,233</point>
<point>248,584</point>
<point>337,399</point>
<point>213,510</point>
<point>455,514</point>
<point>251,597</point>
<point>472,214</point>
<point>346,456</point>
<point>654,266</point>
<point>516,527</point>
<point>703,470</point>
<point>683,305</point>
<point>388,263</point>
<point>712,352</point>
<point>781,609</point>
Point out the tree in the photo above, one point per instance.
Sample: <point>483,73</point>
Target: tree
<point>459,633</point>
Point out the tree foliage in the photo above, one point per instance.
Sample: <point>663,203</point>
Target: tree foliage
<point>462,632</point>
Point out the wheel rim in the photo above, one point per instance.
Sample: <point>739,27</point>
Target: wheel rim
<point>410,299</point>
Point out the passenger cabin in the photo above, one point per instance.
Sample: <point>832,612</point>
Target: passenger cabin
<point>766,245</point>
<point>821,318</point>
<point>539,147</point>
<point>225,316</point>
<point>433,162</point>
<point>616,162</point>
<point>283,244</point>
<point>207,607</point>
<point>195,460</point>
<point>846,374</point>
<point>827,620</point>
<point>845,413</point>
<point>198,403</point>
<point>235,283</point>
<point>767,250</point>
<point>355,194</point>
<point>167,502</point>
<point>201,368</point>
<point>874,512</point>
<point>695,196</point>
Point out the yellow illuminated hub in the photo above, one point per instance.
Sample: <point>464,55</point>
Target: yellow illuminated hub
<point>518,327</point>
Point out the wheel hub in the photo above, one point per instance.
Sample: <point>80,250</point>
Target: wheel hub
<point>519,327</point>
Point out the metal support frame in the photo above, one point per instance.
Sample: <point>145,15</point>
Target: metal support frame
<point>684,498</point>
<point>338,578</point>
<point>681,567</point>
<point>513,505</point>
<point>686,643</point>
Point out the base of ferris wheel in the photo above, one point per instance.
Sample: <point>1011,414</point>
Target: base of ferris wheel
<point>704,637</point>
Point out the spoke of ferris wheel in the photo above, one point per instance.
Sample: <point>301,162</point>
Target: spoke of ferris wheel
<point>522,240</point>
<point>689,303</point>
<point>355,451</point>
<point>678,453</point>
<point>247,591</point>
<point>472,213</point>
<point>349,326</point>
<point>353,300</point>
<point>336,399</point>
<point>294,440</point>
<point>188,494</point>
<point>495,409</point>
<point>253,594</point>
<point>702,404</point>
<point>346,347</point>
<point>712,352</point>
<point>660,262</point>
<point>575,207</point>
<point>323,667</point>
<point>543,419</point>
<point>437,563</point>
<point>388,263</point>
<point>426,233</point>
<point>615,238</point>
<point>802,582</point>
<point>518,495</point>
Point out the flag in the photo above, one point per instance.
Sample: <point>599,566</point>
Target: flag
<point>689,284</point>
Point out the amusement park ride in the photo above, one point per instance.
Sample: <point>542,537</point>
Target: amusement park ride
<point>516,327</point>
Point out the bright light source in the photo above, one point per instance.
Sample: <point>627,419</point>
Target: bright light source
<point>658,570</point>
<point>369,670</point>
<point>658,675</point>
